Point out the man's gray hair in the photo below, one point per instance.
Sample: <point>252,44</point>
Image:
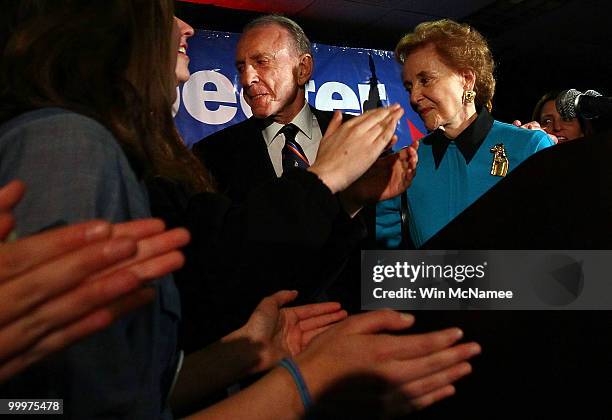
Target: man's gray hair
<point>301,41</point>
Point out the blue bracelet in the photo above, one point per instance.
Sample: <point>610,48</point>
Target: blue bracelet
<point>293,369</point>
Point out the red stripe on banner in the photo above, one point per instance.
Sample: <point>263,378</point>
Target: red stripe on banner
<point>415,133</point>
<point>270,6</point>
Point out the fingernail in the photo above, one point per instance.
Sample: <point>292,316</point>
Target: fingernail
<point>475,349</point>
<point>407,317</point>
<point>457,333</point>
<point>120,248</point>
<point>466,368</point>
<point>98,230</point>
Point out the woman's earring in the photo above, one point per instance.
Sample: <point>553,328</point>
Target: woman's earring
<point>468,96</point>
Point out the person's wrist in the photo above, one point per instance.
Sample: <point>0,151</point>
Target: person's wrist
<point>317,374</point>
<point>289,364</point>
<point>240,333</point>
<point>297,402</point>
<point>252,358</point>
<point>326,178</point>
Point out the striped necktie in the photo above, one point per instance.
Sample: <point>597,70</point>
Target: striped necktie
<point>293,155</point>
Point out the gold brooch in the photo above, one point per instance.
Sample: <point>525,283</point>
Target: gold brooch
<point>500,160</point>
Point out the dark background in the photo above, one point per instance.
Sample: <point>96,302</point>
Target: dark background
<point>538,45</point>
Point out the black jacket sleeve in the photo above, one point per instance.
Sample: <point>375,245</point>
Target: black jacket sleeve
<point>289,233</point>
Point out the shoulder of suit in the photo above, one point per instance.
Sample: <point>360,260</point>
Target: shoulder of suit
<point>227,137</point>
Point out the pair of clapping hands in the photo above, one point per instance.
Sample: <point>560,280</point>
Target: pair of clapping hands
<point>349,159</point>
<point>64,284</point>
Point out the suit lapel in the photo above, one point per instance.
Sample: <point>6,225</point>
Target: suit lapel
<point>255,166</point>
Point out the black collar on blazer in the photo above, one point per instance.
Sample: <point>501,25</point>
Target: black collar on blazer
<point>468,141</point>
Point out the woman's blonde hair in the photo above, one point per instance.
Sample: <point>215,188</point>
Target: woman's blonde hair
<point>460,47</point>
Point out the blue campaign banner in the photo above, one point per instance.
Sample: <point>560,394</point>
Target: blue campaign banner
<point>212,98</point>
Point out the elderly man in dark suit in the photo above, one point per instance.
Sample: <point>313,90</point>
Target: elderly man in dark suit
<point>279,144</point>
<point>274,62</point>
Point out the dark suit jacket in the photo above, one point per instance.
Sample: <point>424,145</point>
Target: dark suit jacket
<point>238,158</point>
<point>261,235</point>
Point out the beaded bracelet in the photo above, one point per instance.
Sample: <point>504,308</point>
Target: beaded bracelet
<point>293,369</point>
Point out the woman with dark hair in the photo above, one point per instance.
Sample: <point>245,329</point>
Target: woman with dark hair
<point>447,69</point>
<point>84,108</point>
<point>546,115</point>
<point>86,90</point>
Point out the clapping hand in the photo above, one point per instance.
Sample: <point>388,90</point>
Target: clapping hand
<point>282,332</point>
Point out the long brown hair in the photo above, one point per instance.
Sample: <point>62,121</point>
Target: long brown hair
<point>108,59</point>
